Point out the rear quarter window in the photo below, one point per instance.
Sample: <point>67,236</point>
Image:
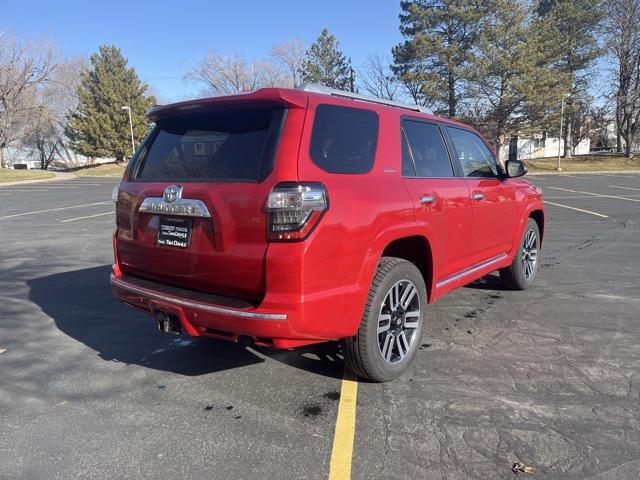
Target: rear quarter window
<point>343,139</point>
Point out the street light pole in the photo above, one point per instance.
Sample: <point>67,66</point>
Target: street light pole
<point>558,167</point>
<point>133,145</point>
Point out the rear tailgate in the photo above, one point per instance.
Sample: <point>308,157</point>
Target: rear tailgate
<point>226,252</point>
<point>228,159</point>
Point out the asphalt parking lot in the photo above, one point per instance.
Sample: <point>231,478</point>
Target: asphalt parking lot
<point>549,377</point>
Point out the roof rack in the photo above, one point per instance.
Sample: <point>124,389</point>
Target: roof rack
<point>318,88</point>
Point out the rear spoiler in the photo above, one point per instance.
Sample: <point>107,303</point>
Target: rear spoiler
<point>265,96</point>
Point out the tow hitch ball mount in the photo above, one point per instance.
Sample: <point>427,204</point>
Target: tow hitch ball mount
<point>168,323</point>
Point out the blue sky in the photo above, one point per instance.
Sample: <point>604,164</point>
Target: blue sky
<point>161,38</point>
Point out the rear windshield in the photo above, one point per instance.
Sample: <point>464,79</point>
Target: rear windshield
<point>234,145</point>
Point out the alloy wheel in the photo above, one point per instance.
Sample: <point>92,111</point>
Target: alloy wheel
<point>530,254</point>
<point>398,321</point>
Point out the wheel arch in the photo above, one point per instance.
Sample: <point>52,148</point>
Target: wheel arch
<point>538,216</point>
<point>417,250</point>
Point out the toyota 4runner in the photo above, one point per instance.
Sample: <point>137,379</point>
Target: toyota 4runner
<point>299,216</point>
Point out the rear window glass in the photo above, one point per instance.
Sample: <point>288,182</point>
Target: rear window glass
<point>344,139</point>
<point>225,145</point>
<point>426,154</point>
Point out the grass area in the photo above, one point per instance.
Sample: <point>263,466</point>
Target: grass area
<point>10,175</point>
<point>103,170</point>
<point>585,163</point>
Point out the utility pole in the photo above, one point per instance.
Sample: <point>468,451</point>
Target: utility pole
<point>133,145</point>
<point>559,167</point>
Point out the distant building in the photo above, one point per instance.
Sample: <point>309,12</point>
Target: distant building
<point>539,146</point>
<point>28,159</point>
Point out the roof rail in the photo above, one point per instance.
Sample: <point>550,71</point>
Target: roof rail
<point>319,88</point>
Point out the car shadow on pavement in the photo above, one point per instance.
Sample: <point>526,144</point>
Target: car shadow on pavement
<point>488,282</point>
<point>82,306</point>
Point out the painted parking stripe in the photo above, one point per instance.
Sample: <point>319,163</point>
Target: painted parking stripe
<point>34,189</point>
<point>625,188</point>
<point>88,216</point>
<point>580,196</point>
<point>596,194</point>
<point>2,350</point>
<point>30,187</point>
<point>7,189</point>
<point>342,452</point>
<point>578,209</point>
<point>54,209</point>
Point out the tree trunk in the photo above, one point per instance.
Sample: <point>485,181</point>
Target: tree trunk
<point>452,95</point>
<point>2,157</point>
<point>629,142</point>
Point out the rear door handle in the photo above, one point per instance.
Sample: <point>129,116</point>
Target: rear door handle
<point>427,199</point>
<point>477,196</point>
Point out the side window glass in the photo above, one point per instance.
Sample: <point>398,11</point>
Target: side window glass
<point>343,139</point>
<point>475,157</point>
<point>408,165</point>
<point>426,150</point>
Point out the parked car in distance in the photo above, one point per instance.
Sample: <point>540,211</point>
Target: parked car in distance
<point>297,216</point>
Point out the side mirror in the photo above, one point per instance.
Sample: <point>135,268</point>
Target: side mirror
<point>516,168</point>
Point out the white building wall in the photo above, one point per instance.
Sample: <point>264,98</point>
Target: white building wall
<point>528,150</point>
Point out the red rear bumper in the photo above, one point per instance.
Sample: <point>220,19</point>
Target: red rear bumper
<point>265,326</point>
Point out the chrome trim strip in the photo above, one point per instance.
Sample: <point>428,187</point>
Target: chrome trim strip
<point>201,306</point>
<point>471,270</point>
<point>182,207</point>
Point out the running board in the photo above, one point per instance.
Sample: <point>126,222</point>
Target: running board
<point>471,270</point>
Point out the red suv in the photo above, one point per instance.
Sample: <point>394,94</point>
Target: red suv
<point>299,216</point>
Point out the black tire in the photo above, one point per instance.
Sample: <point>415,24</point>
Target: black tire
<point>364,351</point>
<point>517,276</point>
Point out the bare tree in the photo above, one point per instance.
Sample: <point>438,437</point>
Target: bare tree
<point>226,74</point>
<point>45,132</point>
<point>623,43</point>
<point>378,79</point>
<point>230,74</point>
<point>291,56</point>
<point>24,67</point>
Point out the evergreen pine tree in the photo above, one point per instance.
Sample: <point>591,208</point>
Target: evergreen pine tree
<point>440,36</point>
<point>575,24</point>
<point>511,76</point>
<point>99,127</point>
<point>324,63</point>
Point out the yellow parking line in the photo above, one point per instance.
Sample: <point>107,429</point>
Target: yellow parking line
<point>88,216</point>
<point>625,188</point>
<point>577,209</point>
<point>596,194</point>
<point>342,452</point>
<point>54,209</point>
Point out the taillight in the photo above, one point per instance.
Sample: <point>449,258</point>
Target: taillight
<point>295,209</point>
